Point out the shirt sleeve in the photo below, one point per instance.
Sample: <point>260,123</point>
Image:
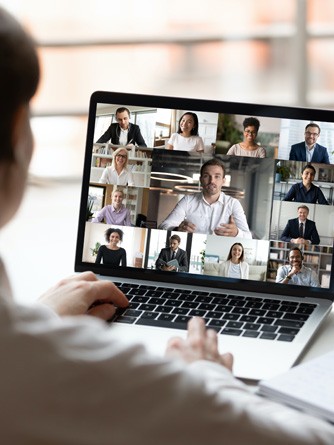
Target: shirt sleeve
<point>291,195</point>
<point>104,177</point>
<point>199,144</point>
<point>130,179</point>
<point>240,220</point>
<point>99,390</point>
<point>177,215</point>
<point>100,215</point>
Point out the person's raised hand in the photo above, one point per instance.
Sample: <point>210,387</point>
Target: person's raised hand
<point>85,294</point>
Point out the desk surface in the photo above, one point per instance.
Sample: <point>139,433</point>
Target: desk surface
<point>44,233</point>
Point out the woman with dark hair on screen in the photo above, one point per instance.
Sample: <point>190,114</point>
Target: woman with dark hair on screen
<point>186,138</point>
<point>249,147</point>
<point>235,266</point>
<point>111,254</point>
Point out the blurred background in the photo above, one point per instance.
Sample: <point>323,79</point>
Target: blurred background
<point>261,51</point>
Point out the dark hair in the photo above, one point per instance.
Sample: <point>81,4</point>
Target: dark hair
<point>111,230</point>
<point>213,161</point>
<point>121,110</point>
<point>311,124</point>
<point>194,131</point>
<point>310,167</point>
<point>295,248</point>
<point>19,77</point>
<point>230,252</point>
<point>251,122</point>
<point>176,237</point>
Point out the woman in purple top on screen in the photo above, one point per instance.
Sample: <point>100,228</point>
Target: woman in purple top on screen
<point>116,213</point>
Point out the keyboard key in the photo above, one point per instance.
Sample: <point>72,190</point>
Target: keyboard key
<point>161,323</point>
<point>295,316</point>
<point>252,326</point>
<point>151,315</point>
<point>156,300</point>
<point>257,312</point>
<point>274,314</point>
<point>268,328</point>
<point>230,317</point>
<point>230,331</point>
<point>197,313</point>
<point>147,307</point>
<point>166,317</point>
<point>217,323</point>
<point>288,331</point>
<point>289,323</point>
<point>132,313</point>
<point>251,334</point>
<point>180,311</point>
<point>265,320</point>
<point>234,324</point>
<point>164,309</point>
<point>288,338</point>
<point>189,305</point>
<point>213,314</point>
<point>124,319</point>
<point>268,336</point>
<point>248,318</point>
<point>174,303</point>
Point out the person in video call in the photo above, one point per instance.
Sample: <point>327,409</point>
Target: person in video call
<point>118,172</point>
<point>301,230</point>
<point>173,252</point>
<point>112,254</point>
<point>249,147</point>
<point>116,213</point>
<point>235,266</point>
<point>306,191</point>
<point>75,379</point>
<point>123,132</point>
<point>186,138</point>
<point>295,272</point>
<point>211,211</point>
<point>309,150</point>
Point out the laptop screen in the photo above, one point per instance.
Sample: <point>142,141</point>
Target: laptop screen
<point>226,195</point>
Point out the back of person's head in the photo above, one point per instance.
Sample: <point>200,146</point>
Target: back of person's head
<point>19,76</point>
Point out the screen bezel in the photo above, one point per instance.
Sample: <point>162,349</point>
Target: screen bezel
<point>126,99</point>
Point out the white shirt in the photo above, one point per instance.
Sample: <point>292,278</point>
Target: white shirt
<point>65,381</point>
<point>123,136</point>
<point>207,217</point>
<point>192,143</point>
<point>110,176</point>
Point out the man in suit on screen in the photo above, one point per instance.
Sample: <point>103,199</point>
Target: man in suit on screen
<point>301,230</point>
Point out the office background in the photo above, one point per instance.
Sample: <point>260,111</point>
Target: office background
<point>260,51</point>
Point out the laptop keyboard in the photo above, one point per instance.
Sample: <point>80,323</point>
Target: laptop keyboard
<point>228,314</point>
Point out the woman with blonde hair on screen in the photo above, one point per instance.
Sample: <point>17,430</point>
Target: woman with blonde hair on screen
<point>118,173</point>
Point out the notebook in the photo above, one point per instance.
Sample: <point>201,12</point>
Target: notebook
<point>223,185</point>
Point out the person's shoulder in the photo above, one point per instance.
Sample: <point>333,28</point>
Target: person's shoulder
<point>298,144</point>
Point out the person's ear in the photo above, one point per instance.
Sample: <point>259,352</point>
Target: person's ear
<point>21,137</point>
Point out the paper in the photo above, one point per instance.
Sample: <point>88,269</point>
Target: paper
<point>308,386</point>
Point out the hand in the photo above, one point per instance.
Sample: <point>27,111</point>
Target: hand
<point>295,269</point>
<point>85,294</point>
<point>186,226</point>
<point>168,268</point>
<point>229,229</point>
<point>298,240</point>
<point>200,344</point>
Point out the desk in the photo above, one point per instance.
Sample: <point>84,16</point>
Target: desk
<point>44,233</point>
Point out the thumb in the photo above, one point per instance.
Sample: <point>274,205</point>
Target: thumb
<point>231,219</point>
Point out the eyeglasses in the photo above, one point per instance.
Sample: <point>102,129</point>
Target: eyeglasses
<point>253,133</point>
<point>121,156</point>
<point>308,133</point>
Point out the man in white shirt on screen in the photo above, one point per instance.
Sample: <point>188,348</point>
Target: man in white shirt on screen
<point>211,211</point>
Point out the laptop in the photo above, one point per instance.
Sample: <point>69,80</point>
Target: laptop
<point>264,311</point>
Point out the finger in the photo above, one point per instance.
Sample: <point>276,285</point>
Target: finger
<point>107,292</point>
<point>103,311</point>
<point>227,360</point>
<point>196,330</point>
<point>212,342</point>
<point>232,220</point>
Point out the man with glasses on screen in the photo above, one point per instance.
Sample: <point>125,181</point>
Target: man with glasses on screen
<point>310,150</point>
